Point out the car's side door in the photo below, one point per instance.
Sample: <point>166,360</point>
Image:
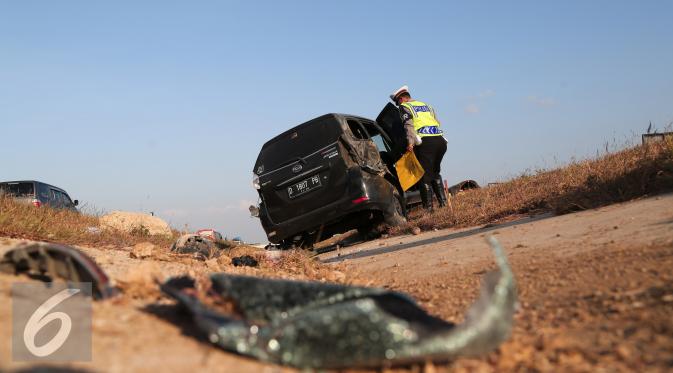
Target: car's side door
<point>390,122</point>
<point>43,193</point>
<point>58,199</point>
<point>367,149</point>
<point>66,201</point>
<point>54,198</point>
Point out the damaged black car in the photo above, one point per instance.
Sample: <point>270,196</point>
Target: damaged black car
<point>330,175</point>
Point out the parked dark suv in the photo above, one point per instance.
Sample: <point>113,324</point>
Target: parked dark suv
<point>38,194</point>
<point>329,175</point>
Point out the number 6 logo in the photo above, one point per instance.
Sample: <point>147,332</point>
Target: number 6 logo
<point>42,317</point>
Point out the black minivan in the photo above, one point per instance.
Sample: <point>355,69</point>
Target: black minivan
<point>329,175</point>
<point>38,193</point>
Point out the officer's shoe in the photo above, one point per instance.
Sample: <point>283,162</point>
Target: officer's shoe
<point>426,196</point>
<point>438,187</point>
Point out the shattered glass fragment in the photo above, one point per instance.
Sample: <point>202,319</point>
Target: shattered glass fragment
<point>329,326</point>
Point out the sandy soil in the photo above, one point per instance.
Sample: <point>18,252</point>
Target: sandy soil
<point>596,294</point>
<point>596,287</point>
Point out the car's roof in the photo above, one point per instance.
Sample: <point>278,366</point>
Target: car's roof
<point>335,116</point>
<point>354,117</point>
<point>32,181</point>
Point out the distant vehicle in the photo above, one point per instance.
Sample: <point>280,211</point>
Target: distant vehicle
<point>210,234</point>
<point>39,194</point>
<point>330,175</point>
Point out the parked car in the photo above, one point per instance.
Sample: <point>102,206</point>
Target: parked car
<point>38,193</point>
<point>330,175</point>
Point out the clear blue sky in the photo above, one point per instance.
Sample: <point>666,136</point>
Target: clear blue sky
<point>163,106</point>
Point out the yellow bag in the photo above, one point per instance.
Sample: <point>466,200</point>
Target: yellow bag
<point>409,171</point>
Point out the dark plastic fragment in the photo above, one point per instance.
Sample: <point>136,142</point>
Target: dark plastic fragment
<point>48,261</point>
<point>244,260</point>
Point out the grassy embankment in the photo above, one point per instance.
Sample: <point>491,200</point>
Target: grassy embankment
<point>25,221</point>
<point>614,177</point>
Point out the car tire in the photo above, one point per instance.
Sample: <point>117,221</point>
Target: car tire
<point>304,243</point>
<point>395,216</point>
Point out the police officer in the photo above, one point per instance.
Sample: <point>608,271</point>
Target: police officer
<point>427,142</point>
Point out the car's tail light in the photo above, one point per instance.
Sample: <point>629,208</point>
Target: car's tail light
<point>360,200</point>
<point>36,202</point>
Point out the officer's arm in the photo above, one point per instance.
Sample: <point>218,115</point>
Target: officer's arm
<point>408,121</point>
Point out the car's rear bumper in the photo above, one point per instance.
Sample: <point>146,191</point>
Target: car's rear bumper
<point>365,193</point>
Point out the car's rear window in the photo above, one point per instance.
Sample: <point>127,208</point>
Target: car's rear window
<point>18,189</point>
<point>298,142</point>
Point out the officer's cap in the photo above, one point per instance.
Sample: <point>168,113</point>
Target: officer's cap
<point>399,91</point>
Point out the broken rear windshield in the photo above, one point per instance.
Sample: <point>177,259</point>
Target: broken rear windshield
<point>18,189</point>
<point>297,143</point>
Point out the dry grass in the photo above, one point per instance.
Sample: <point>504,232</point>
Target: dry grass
<point>616,177</point>
<point>19,220</point>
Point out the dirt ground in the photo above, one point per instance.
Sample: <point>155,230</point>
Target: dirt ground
<point>595,291</point>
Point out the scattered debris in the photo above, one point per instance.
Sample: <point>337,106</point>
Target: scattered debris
<point>48,262</point>
<point>464,186</point>
<point>202,248</point>
<point>210,234</point>
<point>329,326</point>
<point>244,260</point>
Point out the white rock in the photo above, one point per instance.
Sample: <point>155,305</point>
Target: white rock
<point>128,221</point>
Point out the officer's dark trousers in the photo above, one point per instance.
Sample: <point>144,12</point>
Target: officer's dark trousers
<point>429,155</point>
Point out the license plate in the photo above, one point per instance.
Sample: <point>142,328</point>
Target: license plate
<point>304,186</point>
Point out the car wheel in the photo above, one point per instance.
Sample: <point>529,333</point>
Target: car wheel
<point>285,245</point>
<point>303,241</point>
<point>395,216</point>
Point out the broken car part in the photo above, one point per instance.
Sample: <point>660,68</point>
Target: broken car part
<point>244,261</point>
<point>49,262</point>
<point>329,326</point>
<point>200,247</point>
<point>463,186</point>
<point>254,211</point>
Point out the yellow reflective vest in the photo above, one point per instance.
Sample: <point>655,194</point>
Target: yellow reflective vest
<point>424,119</point>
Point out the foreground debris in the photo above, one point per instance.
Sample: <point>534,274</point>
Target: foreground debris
<point>318,325</point>
<point>49,262</point>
